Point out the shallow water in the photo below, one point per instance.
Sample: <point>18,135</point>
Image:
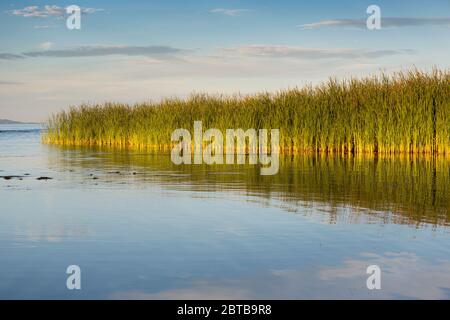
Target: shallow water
<point>141,227</point>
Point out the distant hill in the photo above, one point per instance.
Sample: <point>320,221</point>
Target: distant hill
<point>6,121</point>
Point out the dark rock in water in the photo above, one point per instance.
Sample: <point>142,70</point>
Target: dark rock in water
<point>11,177</point>
<point>134,173</point>
<point>44,178</point>
<point>26,174</point>
<point>95,178</point>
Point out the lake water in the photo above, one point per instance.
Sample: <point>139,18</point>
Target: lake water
<point>140,227</point>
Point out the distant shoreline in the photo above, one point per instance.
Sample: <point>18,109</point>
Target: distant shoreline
<point>6,121</point>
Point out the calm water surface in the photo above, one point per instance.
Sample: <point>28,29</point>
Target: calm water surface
<point>141,227</point>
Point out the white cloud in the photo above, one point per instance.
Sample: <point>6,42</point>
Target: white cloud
<point>246,51</point>
<point>97,51</point>
<point>387,22</point>
<point>10,56</point>
<point>157,52</point>
<point>46,11</point>
<point>228,12</point>
<point>41,27</point>
<point>7,83</point>
<point>298,52</point>
<point>46,45</point>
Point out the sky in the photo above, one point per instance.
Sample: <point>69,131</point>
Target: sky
<point>134,51</point>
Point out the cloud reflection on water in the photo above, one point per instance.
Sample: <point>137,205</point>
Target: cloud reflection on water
<point>404,276</point>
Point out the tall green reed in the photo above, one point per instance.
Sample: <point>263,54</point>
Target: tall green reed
<point>406,112</point>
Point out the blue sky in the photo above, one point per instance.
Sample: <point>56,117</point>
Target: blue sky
<point>147,50</point>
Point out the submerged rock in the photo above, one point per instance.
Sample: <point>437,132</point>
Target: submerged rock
<point>11,177</point>
<point>44,178</point>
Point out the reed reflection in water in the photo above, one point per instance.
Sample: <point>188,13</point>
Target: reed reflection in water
<point>403,189</point>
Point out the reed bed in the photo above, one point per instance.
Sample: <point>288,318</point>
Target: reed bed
<point>407,112</point>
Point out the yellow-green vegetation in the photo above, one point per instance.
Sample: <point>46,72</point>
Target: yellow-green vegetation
<point>402,113</point>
